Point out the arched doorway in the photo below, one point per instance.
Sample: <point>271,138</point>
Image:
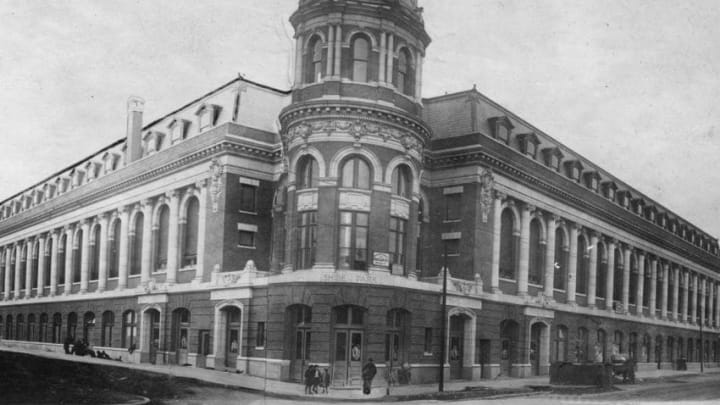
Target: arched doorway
<point>180,335</point>
<point>233,325</point>
<point>88,325</point>
<point>349,344</point>
<point>539,353</point>
<point>151,326</point>
<point>509,335</point>
<point>299,318</point>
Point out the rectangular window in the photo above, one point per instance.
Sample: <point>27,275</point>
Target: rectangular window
<point>248,197</point>
<point>398,228</point>
<point>246,238</point>
<point>353,238</point>
<point>260,341</point>
<point>307,239</point>
<point>427,347</point>
<point>453,207</point>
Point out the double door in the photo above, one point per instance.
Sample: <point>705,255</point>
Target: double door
<point>301,354</point>
<point>348,359</point>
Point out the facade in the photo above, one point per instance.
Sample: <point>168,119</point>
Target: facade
<point>214,238</point>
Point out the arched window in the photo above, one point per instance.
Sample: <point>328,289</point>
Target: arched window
<point>508,259</point>
<point>23,266</point>
<point>61,260</point>
<point>88,325</point>
<point>401,181</point>
<point>57,328</point>
<point>34,266</point>
<point>129,329</point>
<point>582,266</point>
<point>356,173</point>
<point>658,348</point>
<point>632,346</point>
<point>602,343</point>
<point>618,275</point>
<point>646,345</point>
<point>43,336</point>
<point>307,174</point>
<point>32,329</point>
<point>9,335</point>
<point>136,237</point>
<point>314,69</point>
<point>561,343</point>
<point>108,321</point>
<point>601,271</point>
<point>161,238</point>
<point>114,250</point>
<point>361,53</point>
<point>647,286</point>
<point>48,261</point>
<point>582,345</point>
<point>561,255</point>
<point>95,252</point>
<point>618,342</point>
<point>77,256</point>
<point>536,254</point>
<point>405,73</point>
<point>72,325</point>
<point>190,236</point>
<point>633,279</point>
<point>20,328</point>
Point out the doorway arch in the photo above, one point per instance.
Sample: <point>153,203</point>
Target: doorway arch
<point>228,338</point>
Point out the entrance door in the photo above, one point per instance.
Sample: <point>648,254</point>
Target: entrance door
<point>181,326</point>
<point>301,354</point>
<point>347,367</point>
<point>232,341</point>
<point>534,354</point>
<point>455,348</point>
<point>154,342</point>
<point>484,347</point>
<point>204,348</point>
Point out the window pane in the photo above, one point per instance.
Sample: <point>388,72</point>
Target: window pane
<point>348,173</point>
<point>246,238</point>
<point>363,177</point>
<point>362,219</point>
<point>247,198</point>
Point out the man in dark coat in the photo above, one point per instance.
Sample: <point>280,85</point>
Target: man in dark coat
<point>368,373</point>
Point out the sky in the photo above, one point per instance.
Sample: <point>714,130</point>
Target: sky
<point>632,85</point>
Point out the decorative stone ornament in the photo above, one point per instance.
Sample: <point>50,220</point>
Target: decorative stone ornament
<point>487,183</point>
<point>216,171</point>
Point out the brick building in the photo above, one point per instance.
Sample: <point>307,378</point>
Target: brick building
<point>214,237</point>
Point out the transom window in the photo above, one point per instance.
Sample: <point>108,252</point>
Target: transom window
<point>401,181</point>
<point>356,173</point>
<point>307,176</point>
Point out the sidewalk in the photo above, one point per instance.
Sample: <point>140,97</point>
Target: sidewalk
<point>497,387</point>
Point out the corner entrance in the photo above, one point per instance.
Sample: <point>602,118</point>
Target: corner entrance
<point>348,344</point>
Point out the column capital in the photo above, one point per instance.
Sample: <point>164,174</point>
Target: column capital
<point>201,184</point>
<point>85,222</point>
<point>498,194</point>
<point>528,207</point>
<point>125,208</point>
<point>641,254</point>
<point>594,235</point>
<point>609,240</point>
<point>103,216</point>
<point>147,203</point>
<point>554,217</point>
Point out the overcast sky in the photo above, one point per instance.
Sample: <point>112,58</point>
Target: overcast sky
<point>633,85</point>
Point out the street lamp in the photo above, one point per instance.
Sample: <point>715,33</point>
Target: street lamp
<point>441,386</point>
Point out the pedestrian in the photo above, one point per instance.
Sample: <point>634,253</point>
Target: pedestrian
<point>325,381</point>
<point>308,379</point>
<point>368,373</point>
<point>316,378</point>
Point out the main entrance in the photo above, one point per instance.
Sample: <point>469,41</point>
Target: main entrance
<point>299,317</point>
<point>181,326</point>
<point>153,321</point>
<point>349,345</point>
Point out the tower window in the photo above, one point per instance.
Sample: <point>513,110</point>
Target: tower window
<point>405,73</point>
<point>360,50</point>
<point>314,67</point>
<point>356,174</point>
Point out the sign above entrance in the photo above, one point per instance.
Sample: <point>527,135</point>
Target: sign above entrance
<point>381,259</point>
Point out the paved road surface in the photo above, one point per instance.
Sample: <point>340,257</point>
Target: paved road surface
<point>686,390</point>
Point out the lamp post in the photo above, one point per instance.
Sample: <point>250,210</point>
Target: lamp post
<point>441,386</point>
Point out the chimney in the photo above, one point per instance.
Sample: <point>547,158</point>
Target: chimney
<point>135,106</point>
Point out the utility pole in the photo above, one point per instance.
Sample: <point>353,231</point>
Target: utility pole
<point>443,332</point>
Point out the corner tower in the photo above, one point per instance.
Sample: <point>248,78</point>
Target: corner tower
<point>353,136</point>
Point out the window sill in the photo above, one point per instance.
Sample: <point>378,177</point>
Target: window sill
<point>535,285</point>
<point>133,275</point>
<point>188,268</point>
<point>508,280</point>
<point>558,290</point>
<point>247,212</point>
<point>259,347</point>
<point>246,247</point>
<point>451,221</point>
<point>159,272</point>
<point>427,354</point>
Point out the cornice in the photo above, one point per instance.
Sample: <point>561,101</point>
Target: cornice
<point>479,154</point>
<point>74,199</point>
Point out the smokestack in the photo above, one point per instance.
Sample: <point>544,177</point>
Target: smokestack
<point>135,106</point>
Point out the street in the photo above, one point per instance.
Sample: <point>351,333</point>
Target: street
<point>688,390</point>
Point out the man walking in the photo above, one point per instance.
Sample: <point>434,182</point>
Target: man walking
<point>368,373</point>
